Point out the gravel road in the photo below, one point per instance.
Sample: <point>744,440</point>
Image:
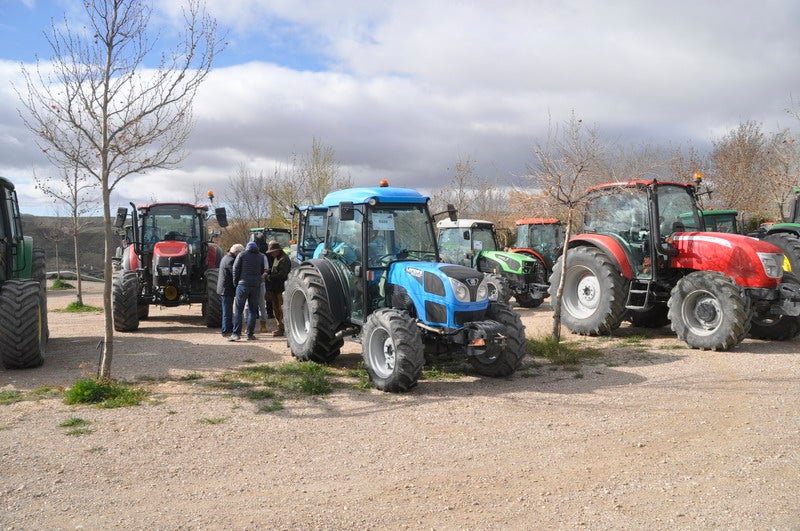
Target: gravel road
<point>649,435</point>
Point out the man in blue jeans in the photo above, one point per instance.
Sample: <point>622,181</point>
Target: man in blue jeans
<point>248,271</point>
<point>226,288</point>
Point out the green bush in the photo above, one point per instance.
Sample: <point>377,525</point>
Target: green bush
<point>104,393</point>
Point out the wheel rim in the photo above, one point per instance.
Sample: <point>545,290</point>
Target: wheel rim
<point>381,353</point>
<point>299,316</point>
<point>581,292</point>
<point>702,313</point>
<point>494,291</point>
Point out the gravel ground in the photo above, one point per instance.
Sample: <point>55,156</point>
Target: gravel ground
<point>650,435</point>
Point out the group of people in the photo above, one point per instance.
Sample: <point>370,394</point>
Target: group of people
<point>248,277</point>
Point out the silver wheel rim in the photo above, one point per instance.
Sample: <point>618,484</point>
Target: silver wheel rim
<point>381,353</point>
<point>581,292</point>
<point>702,313</point>
<point>299,317</point>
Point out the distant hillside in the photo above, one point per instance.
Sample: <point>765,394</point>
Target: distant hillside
<point>58,245</point>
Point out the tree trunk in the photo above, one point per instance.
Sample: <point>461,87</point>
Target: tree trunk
<point>108,341</point>
<point>77,265</point>
<point>560,291</point>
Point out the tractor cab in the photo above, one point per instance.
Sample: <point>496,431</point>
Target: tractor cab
<point>721,221</point>
<point>263,235</point>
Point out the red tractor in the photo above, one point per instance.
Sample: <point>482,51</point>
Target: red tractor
<point>642,255</point>
<point>170,260</point>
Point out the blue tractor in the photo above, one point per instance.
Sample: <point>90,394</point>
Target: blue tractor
<point>379,279</point>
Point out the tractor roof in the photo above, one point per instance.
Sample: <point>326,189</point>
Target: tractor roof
<point>271,229</point>
<point>720,212</point>
<point>464,224</point>
<point>187,205</point>
<point>538,221</point>
<point>637,183</point>
<point>5,183</point>
<point>382,194</point>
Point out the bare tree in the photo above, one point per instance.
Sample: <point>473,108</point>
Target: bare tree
<point>783,171</point>
<point>566,163</point>
<point>98,107</point>
<point>319,171</point>
<point>77,194</point>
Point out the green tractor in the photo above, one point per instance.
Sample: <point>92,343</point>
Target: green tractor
<point>541,239</point>
<point>23,289</point>
<point>473,243</point>
<point>263,235</point>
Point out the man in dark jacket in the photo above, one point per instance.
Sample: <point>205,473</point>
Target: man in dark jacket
<point>276,276</point>
<point>226,288</point>
<point>248,269</point>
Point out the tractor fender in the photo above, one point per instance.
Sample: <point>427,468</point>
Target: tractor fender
<point>610,247</point>
<point>733,255</point>
<point>532,252</point>
<point>130,260</point>
<point>214,256</point>
<point>791,228</point>
<point>334,287</point>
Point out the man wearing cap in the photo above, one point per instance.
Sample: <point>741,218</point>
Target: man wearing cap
<point>248,269</point>
<point>276,276</point>
<point>226,288</point>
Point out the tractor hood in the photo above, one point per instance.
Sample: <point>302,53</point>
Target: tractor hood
<point>442,294</point>
<point>505,261</point>
<point>748,261</point>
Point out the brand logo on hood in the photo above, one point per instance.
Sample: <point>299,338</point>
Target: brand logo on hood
<point>505,258</point>
<point>472,281</point>
<point>414,272</point>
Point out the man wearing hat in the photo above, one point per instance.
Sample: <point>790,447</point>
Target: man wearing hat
<point>276,276</point>
<point>226,288</point>
<point>248,269</point>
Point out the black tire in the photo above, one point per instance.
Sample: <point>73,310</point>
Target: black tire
<point>499,364</point>
<point>498,290</point>
<point>310,330</point>
<point>776,327</point>
<point>125,292</point>
<point>594,292</point>
<point>213,313</point>
<point>143,311</point>
<point>655,317</point>
<point>709,311</point>
<point>22,333</point>
<point>790,245</point>
<point>392,350</point>
<point>39,274</point>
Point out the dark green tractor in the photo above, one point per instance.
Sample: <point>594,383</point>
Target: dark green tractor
<point>23,289</point>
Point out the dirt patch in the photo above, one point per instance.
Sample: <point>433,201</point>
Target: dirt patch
<point>650,434</point>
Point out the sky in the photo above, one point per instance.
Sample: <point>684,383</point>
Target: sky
<point>402,90</point>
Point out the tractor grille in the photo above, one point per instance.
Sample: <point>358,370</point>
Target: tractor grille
<point>467,317</point>
<point>435,313</point>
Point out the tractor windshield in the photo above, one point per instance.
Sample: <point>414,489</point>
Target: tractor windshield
<point>618,210</point>
<point>483,239</point>
<point>399,232</point>
<point>170,222</point>
<point>313,230</point>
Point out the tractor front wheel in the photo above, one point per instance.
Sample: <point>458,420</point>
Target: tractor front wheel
<point>22,325</point>
<point>498,291</point>
<point>392,350</point>
<point>776,327</point>
<point>709,311</point>
<point>310,329</point>
<point>125,292</point>
<point>505,362</point>
<point>213,304</point>
<point>593,302</point>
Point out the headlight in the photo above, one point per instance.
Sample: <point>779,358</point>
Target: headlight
<point>772,263</point>
<point>483,291</point>
<point>460,290</point>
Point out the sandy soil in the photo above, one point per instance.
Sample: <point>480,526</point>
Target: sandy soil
<point>650,435</point>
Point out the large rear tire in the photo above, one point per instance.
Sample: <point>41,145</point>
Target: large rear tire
<point>790,245</point>
<point>392,350</point>
<point>594,292</point>
<point>310,330</point>
<point>125,293</point>
<point>776,327</point>
<point>499,364</point>
<point>213,313</point>
<point>709,311</point>
<point>22,333</point>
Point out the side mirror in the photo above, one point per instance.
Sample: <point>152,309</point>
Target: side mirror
<point>465,235</point>
<point>452,212</point>
<point>222,216</point>
<point>214,234</point>
<point>347,211</point>
<point>122,214</point>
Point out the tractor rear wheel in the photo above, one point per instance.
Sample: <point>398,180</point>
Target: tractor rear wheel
<point>790,245</point>
<point>213,304</point>
<point>498,291</point>
<point>392,350</point>
<point>594,292</point>
<point>709,311</point>
<point>22,332</point>
<point>776,327</point>
<point>505,362</point>
<point>310,330</point>
<point>125,293</point>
